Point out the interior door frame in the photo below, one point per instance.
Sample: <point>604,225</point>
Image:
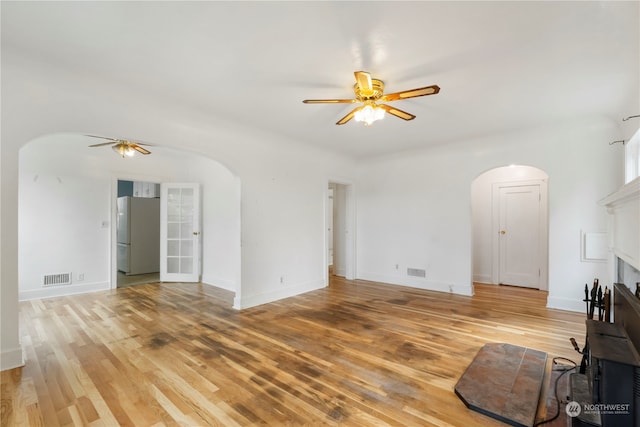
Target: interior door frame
<point>543,226</point>
<point>113,241</point>
<point>330,227</point>
<point>350,221</point>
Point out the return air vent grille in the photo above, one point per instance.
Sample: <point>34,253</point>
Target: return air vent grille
<point>416,272</point>
<point>56,279</point>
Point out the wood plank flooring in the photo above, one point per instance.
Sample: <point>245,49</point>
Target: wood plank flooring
<point>356,354</point>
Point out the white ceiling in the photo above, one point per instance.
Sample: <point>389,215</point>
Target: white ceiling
<point>501,66</point>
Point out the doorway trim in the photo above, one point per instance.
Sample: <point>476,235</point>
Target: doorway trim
<point>350,229</point>
<point>113,206</point>
<point>543,227</point>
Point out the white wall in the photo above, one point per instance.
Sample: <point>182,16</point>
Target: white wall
<point>220,198</point>
<point>414,212</point>
<point>481,213</point>
<point>414,209</point>
<point>62,207</point>
<point>283,183</point>
<point>66,206</point>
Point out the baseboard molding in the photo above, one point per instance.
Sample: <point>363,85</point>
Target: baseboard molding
<point>10,359</point>
<point>220,283</point>
<point>567,304</point>
<point>245,301</point>
<point>482,278</point>
<point>63,290</point>
<point>414,282</point>
<point>342,272</point>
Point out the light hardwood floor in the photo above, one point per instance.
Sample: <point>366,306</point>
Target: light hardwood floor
<point>356,353</point>
<point>137,279</point>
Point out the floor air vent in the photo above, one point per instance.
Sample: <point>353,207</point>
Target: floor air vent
<point>56,279</point>
<point>416,272</point>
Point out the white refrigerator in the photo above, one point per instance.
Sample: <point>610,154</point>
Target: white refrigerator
<point>138,231</point>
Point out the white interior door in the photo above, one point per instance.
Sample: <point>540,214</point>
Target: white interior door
<point>179,232</point>
<point>519,235</point>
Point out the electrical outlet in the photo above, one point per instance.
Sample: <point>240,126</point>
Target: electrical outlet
<point>281,279</point>
<point>80,277</point>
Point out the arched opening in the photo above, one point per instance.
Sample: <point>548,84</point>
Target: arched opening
<point>67,203</point>
<point>510,227</point>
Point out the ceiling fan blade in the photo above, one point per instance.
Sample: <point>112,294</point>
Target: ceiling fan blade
<point>423,91</point>
<point>398,113</point>
<point>139,149</point>
<point>330,101</point>
<point>114,140</point>
<point>103,144</point>
<point>364,82</point>
<point>102,137</point>
<point>349,116</point>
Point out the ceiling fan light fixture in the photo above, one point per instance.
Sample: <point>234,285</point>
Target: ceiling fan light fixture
<point>369,114</point>
<point>124,149</point>
<point>369,91</point>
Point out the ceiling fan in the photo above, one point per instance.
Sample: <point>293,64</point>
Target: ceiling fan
<point>123,147</point>
<point>369,91</point>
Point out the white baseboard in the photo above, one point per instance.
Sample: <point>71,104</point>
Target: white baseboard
<point>482,278</point>
<point>420,283</point>
<point>63,290</point>
<point>342,272</point>
<point>12,358</point>
<point>247,301</point>
<point>220,283</point>
<point>568,304</point>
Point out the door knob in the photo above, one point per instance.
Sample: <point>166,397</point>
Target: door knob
<point>503,231</point>
<point>195,233</point>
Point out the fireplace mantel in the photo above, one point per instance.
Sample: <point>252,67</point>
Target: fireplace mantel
<point>623,207</point>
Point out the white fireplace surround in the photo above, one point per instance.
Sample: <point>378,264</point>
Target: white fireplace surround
<point>623,207</point>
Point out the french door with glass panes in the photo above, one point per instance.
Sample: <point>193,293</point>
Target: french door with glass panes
<point>180,232</point>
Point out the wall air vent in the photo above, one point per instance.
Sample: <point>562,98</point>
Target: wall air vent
<point>56,279</point>
<point>416,272</point>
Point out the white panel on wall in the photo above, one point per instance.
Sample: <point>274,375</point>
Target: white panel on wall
<point>594,247</point>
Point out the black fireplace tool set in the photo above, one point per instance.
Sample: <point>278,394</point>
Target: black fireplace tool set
<point>594,298</point>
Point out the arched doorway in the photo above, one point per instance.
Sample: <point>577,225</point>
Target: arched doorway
<point>510,227</point>
<point>67,198</point>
